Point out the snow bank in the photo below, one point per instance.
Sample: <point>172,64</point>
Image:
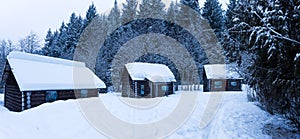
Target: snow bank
<point>1,100</point>
<point>236,118</point>
<point>59,120</point>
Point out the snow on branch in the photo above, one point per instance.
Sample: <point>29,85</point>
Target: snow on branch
<point>280,36</point>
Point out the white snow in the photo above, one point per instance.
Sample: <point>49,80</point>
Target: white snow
<point>297,56</point>
<point>236,19</point>
<point>152,72</point>
<point>235,118</point>
<point>35,72</point>
<point>220,71</point>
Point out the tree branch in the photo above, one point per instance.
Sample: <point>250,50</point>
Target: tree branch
<point>277,33</point>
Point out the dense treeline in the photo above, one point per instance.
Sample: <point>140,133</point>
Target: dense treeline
<point>263,39</point>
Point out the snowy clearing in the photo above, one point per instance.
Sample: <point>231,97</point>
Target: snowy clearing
<point>235,118</point>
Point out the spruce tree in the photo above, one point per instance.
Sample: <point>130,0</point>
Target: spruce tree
<point>229,14</point>
<point>194,4</point>
<point>48,43</point>
<point>151,8</point>
<point>213,12</point>
<point>129,11</point>
<point>62,39</point>
<point>90,14</point>
<point>73,32</point>
<point>114,17</point>
<point>172,12</point>
<point>189,14</point>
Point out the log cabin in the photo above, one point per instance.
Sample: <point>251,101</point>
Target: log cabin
<point>220,77</point>
<point>31,80</point>
<point>145,80</point>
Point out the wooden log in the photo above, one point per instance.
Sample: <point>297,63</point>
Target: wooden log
<point>13,103</point>
<point>18,100</point>
<point>13,107</point>
<point>38,95</point>
<point>37,99</point>
<point>36,103</point>
<point>12,91</point>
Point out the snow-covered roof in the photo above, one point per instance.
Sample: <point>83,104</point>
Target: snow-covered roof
<point>152,72</point>
<point>35,72</point>
<point>220,71</point>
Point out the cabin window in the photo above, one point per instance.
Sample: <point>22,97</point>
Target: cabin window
<point>234,83</point>
<point>142,90</point>
<point>165,88</point>
<point>218,84</point>
<point>51,96</point>
<point>83,93</point>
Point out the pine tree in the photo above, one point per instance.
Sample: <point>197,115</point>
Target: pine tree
<point>230,46</point>
<point>172,12</point>
<point>213,12</point>
<point>229,14</point>
<point>46,50</point>
<point>51,46</point>
<point>194,4</point>
<point>151,8</point>
<point>90,14</point>
<point>129,11</point>
<point>114,17</point>
<point>62,38</point>
<point>73,32</point>
<point>189,14</point>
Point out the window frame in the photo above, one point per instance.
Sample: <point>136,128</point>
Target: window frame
<point>51,96</point>
<point>218,86</point>
<point>84,93</point>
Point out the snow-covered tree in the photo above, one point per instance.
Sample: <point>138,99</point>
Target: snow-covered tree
<point>90,14</point>
<point>30,43</point>
<point>268,30</point>
<point>230,45</point>
<point>129,11</point>
<point>51,46</point>
<point>62,39</point>
<point>213,12</point>
<point>151,8</point>
<point>46,50</point>
<point>229,14</point>
<point>114,17</point>
<point>172,12</point>
<point>194,4</point>
<point>6,48</point>
<point>73,31</point>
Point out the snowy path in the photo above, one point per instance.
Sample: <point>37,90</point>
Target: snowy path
<point>235,118</point>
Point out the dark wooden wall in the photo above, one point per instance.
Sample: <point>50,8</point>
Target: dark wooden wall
<point>158,87</point>
<point>12,94</point>
<point>209,86</point>
<point>229,87</point>
<point>206,86</point>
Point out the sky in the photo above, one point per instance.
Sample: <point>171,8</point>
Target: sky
<point>19,18</point>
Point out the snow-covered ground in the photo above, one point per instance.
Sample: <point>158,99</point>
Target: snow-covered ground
<point>235,118</point>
